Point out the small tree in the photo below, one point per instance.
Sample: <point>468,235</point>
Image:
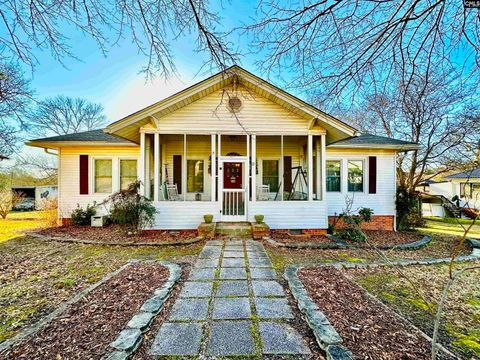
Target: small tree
<point>8,199</point>
<point>352,231</point>
<point>130,209</point>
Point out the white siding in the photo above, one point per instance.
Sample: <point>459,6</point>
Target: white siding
<point>383,202</point>
<point>291,214</point>
<point>210,113</point>
<point>178,215</point>
<point>69,186</point>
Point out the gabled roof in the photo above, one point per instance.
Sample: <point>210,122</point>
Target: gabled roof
<point>93,137</point>
<point>374,141</point>
<point>128,126</point>
<point>475,173</point>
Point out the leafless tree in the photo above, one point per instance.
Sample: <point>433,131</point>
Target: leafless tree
<point>443,118</point>
<point>338,46</point>
<point>64,115</point>
<point>152,25</point>
<point>15,97</point>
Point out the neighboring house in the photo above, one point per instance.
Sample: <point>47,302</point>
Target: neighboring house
<point>234,146</point>
<point>35,197</point>
<point>467,186</point>
<point>464,185</point>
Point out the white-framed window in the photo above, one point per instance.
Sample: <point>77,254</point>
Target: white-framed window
<point>334,175</point>
<point>102,176</point>
<point>128,172</point>
<point>195,175</point>
<point>355,175</point>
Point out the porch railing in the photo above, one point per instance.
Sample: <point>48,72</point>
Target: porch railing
<point>233,202</point>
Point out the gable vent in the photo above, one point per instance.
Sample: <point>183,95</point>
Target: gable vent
<point>234,103</point>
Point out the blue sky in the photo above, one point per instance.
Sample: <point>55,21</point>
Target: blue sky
<point>114,80</point>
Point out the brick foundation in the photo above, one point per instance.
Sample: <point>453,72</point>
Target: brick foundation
<point>378,222</point>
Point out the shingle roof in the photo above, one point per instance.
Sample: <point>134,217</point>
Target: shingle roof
<point>475,173</point>
<point>87,136</point>
<point>369,140</point>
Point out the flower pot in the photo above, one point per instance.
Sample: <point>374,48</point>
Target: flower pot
<point>259,218</point>
<point>208,218</point>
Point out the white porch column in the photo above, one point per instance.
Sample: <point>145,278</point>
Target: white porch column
<point>310,166</point>
<point>184,168</point>
<point>213,165</point>
<point>254,168</point>
<point>148,146</point>
<point>324,166</point>
<point>281,169</point>
<point>156,166</point>
<point>319,173</point>
<point>141,168</point>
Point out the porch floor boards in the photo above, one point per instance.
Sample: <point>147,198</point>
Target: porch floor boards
<point>232,309</point>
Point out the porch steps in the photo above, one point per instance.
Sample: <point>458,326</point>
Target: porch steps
<point>237,229</point>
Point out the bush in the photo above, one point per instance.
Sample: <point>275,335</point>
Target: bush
<point>82,217</point>
<point>352,231</point>
<point>130,209</point>
<point>408,209</point>
<point>8,199</point>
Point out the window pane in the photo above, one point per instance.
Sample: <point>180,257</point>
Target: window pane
<point>103,176</point>
<point>333,175</point>
<point>355,176</point>
<point>128,173</point>
<point>270,174</point>
<point>194,175</point>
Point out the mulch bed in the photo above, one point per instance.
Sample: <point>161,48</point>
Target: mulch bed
<point>287,238</point>
<point>386,237</point>
<point>85,329</point>
<point>369,329</point>
<point>116,234</point>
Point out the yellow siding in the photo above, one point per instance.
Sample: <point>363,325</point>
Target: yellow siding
<point>210,113</point>
<point>69,183</point>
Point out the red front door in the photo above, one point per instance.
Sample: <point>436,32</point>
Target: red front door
<point>232,175</point>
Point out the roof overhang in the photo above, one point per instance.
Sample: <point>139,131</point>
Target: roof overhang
<point>128,127</point>
<point>60,144</point>
<point>399,148</point>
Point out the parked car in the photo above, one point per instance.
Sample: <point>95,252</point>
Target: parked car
<point>26,204</point>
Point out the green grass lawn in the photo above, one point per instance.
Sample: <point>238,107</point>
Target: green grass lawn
<point>461,317</point>
<point>36,276</point>
<point>450,226</point>
<point>18,223</point>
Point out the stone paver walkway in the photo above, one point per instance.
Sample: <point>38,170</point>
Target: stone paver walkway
<point>230,305</point>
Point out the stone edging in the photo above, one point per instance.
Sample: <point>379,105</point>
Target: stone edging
<point>123,243</point>
<point>340,244</point>
<point>132,336</point>
<point>327,337</point>
<point>7,344</point>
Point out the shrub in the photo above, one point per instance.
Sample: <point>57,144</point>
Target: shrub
<point>50,211</point>
<point>8,199</point>
<point>130,209</point>
<point>408,208</point>
<point>82,217</point>
<point>352,231</point>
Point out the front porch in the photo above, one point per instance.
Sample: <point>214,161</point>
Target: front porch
<point>234,177</point>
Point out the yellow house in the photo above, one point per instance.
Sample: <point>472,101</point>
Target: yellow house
<point>234,146</point>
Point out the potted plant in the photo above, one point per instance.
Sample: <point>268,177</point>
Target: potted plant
<point>259,218</point>
<point>208,218</point>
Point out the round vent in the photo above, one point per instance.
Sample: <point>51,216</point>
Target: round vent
<point>234,103</point>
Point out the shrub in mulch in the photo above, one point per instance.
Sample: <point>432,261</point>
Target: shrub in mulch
<point>386,237</point>
<point>287,238</point>
<point>86,329</point>
<point>116,234</point>
<point>369,330</point>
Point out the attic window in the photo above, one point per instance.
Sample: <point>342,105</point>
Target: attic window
<point>234,103</point>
